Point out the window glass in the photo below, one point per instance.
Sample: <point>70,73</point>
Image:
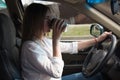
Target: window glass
<point>26,2</point>
<point>2,4</point>
<point>3,7</point>
<point>78,31</point>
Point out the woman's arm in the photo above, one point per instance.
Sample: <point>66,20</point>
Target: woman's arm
<point>69,47</point>
<point>58,28</point>
<point>87,43</point>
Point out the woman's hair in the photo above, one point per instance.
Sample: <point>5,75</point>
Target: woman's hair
<point>33,21</point>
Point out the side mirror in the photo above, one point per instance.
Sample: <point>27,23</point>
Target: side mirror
<point>96,30</point>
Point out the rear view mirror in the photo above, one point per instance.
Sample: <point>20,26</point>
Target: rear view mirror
<point>96,30</point>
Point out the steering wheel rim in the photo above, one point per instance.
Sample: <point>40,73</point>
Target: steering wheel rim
<point>89,69</point>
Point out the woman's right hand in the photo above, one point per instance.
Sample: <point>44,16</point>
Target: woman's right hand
<point>58,28</point>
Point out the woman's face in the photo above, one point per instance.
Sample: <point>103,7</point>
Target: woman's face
<point>46,25</point>
<point>46,22</point>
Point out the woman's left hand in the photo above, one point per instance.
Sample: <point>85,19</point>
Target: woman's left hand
<point>103,36</point>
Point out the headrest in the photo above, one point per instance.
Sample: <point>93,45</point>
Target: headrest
<point>7,32</point>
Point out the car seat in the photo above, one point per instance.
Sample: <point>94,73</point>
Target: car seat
<point>9,53</point>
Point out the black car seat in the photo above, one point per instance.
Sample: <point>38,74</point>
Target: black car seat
<point>9,53</point>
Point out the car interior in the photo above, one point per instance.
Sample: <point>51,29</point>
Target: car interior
<point>10,42</point>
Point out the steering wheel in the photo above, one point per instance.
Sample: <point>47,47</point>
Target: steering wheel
<point>99,55</point>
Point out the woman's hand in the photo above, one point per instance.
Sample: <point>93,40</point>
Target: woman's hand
<point>58,28</point>
<point>90,42</point>
<point>103,36</point>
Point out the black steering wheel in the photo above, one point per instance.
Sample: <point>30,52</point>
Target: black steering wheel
<point>99,55</point>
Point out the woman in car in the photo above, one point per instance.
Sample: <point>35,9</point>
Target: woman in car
<point>41,57</point>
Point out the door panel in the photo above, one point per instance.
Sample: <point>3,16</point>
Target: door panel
<point>74,62</point>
